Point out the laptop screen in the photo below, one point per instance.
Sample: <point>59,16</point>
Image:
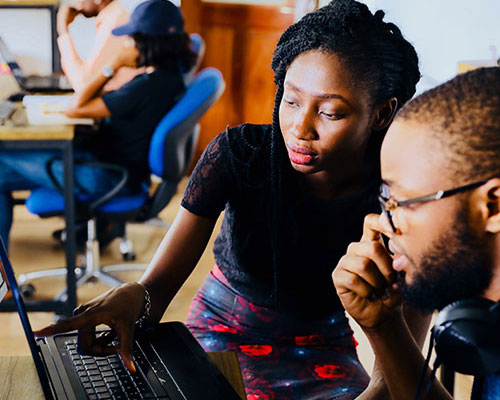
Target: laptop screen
<point>23,315</point>
<point>8,58</point>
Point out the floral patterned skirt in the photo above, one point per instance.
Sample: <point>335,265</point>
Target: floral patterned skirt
<point>281,357</point>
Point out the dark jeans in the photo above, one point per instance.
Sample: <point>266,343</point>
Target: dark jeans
<point>25,170</point>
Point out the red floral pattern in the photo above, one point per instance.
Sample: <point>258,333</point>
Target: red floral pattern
<point>259,395</point>
<point>309,340</point>
<point>329,371</point>
<point>276,362</point>
<point>256,350</point>
<point>222,328</point>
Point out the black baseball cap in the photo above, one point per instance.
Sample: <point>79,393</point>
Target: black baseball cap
<point>153,17</point>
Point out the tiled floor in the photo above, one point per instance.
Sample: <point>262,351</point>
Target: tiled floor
<point>33,248</point>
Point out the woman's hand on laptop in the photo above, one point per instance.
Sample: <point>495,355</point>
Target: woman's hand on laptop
<point>119,308</point>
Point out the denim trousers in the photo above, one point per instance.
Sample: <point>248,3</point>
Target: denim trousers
<point>26,170</point>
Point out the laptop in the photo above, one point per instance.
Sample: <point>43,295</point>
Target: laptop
<point>33,83</point>
<point>170,363</point>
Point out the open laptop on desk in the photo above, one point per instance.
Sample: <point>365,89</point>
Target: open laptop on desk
<point>33,83</point>
<point>170,363</point>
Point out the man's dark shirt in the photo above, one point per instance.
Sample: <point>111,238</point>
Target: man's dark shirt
<point>136,108</point>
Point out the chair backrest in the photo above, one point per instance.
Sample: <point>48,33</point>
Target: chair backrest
<point>198,46</point>
<point>167,150</point>
<point>174,140</point>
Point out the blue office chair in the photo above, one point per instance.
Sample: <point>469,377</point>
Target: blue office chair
<point>198,46</point>
<point>170,154</point>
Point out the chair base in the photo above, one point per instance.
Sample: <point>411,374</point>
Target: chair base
<point>83,276</point>
<point>92,272</point>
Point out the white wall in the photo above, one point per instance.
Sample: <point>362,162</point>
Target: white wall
<point>445,32</point>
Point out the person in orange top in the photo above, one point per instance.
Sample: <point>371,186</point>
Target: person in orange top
<point>109,15</point>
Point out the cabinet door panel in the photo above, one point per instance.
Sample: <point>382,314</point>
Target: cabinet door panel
<point>240,40</point>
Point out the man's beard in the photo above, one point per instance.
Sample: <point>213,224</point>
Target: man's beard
<point>456,266</point>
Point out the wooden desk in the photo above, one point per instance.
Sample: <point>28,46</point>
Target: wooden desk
<point>17,128</point>
<point>18,378</point>
<point>17,133</point>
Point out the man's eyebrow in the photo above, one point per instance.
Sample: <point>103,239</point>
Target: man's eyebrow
<point>392,184</point>
<point>323,96</point>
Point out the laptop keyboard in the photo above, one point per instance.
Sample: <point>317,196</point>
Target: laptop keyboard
<point>107,378</point>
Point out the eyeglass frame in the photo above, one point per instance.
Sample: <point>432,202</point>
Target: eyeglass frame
<point>440,194</point>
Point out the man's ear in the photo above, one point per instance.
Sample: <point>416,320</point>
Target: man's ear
<point>491,208</point>
<point>384,113</point>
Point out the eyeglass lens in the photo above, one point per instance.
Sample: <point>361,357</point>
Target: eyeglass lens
<point>385,194</point>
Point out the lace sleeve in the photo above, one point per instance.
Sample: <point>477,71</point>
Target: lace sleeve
<point>209,187</point>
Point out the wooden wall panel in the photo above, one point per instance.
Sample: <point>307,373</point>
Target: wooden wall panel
<point>240,40</point>
<point>259,77</point>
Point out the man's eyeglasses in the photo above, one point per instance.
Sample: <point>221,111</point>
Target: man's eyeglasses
<point>389,203</point>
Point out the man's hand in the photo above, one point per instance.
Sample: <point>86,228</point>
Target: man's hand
<point>65,16</point>
<point>365,280</point>
<point>119,308</point>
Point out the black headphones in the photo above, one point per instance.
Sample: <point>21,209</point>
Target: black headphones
<point>467,336</point>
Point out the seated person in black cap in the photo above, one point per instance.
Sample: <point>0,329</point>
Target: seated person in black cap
<point>159,43</point>
<point>128,116</point>
<point>441,170</point>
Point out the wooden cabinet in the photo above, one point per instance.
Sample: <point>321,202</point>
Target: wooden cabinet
<point>240,40</point>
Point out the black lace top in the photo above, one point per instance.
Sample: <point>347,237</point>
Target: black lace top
<point>233,175</point>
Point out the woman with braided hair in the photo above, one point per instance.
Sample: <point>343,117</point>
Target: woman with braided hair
<point>295,194</point>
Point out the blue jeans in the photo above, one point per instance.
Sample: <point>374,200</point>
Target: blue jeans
<point>25,170</point>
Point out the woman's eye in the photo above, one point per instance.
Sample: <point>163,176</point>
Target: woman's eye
<point>290,102</point>
<point>330,115</point>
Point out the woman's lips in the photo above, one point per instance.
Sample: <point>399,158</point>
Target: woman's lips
<point>301,155</point>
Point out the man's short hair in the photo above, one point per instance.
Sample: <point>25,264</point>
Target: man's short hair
<point>464,115</point>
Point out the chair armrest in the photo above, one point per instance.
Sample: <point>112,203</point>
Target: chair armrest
<point>107,195</point>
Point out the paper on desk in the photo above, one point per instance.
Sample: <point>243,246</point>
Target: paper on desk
<point>49,110</point>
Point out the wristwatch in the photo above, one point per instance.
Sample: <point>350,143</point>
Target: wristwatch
<point>107,71</point>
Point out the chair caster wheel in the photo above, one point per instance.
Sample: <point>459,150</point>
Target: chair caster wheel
<point>130,256</point>
<point>27,290</point>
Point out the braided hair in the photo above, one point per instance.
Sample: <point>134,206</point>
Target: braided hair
<point>380,59</point>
